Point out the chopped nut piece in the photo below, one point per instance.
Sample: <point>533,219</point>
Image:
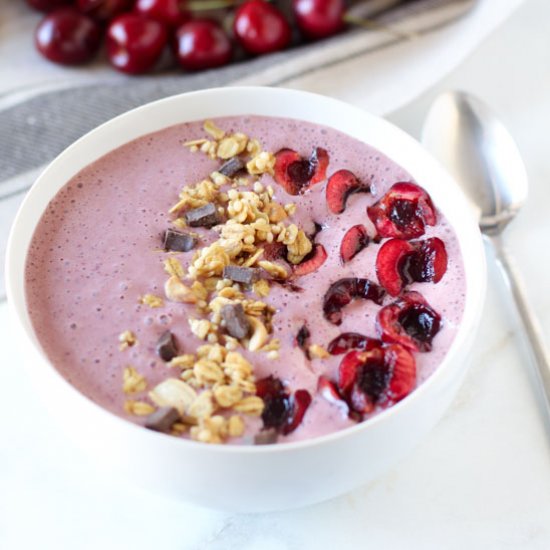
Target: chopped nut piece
<point>276,212</point>
<point>318,351</point>
<point>151,300</point>
<point>235,426</point>
<point>127,339</point>
<point>163,419</point>
<point>176,291</point>
<point>211,128</point>
<point>299,248</point>
<point>167,347</point>
<point>132,381</point>
<point>252,405</point>
<point>275,270</point>
<point>203,216</point>
<point>199,327</point>
<point>227,396</point>
<point>173,392</point>
<point>259,334</point>
<point>139,408</point>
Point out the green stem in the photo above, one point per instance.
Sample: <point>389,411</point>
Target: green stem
<point>207,5</point>
<point>372,24</point>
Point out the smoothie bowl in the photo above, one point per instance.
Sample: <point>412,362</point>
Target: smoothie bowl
<point>248,298</point>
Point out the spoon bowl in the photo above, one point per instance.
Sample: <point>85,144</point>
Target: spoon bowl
<point>464,134</point>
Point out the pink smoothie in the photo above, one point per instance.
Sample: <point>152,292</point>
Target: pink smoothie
<point>97,248</point>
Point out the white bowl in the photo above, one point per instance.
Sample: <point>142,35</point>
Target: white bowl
<point>251,478</point>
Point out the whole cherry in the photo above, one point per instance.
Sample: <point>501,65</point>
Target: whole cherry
<point>261,27</point>
<point>319,18</point>
<point>202,44</point>
<point>135,43</point>
<point>48,5</point>
<point>168,12</point>
<point>68,37</point>
<point>104,10</point>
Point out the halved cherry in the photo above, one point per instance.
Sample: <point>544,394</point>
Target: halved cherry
<point>429,263</point>
<point>403,371</point>
<point>319,163</point>
<point>410,321</point>
<point>351,340</point>
<point>269,386</point>
<point>354,241</point>
<point>400,262</point>
<point>339,187</point>
<point>343,291</point>
<point>296,174</point>
<point>300,402</point>
<point>359,401</point>
<point>389,264</point>
<point>329,391</point>
<point>403,212</point>
<point>312,262</point>
<point>348,370</point>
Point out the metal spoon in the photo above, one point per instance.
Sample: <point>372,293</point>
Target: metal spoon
<point>468,139</point>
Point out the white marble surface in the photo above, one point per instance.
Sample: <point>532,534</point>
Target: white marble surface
<point>481,480</point>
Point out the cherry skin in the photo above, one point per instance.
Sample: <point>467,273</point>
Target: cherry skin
<point>135,43</point>
<point>168,12</point>
<point>261,28</point>
<point>319,18</point>
<point>202,44</point>
<point>68,37</point>
<point>104,10</point>
<point>48,5</point>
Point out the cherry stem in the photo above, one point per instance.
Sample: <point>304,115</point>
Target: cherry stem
<point>207,5</point>
<point>372,24</point>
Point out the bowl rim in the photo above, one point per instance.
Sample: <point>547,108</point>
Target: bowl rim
<point>475,278</point>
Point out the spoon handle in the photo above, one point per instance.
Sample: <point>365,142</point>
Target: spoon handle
<point>530,323</point>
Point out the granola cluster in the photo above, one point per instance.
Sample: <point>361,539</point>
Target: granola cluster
<point>215,387</point>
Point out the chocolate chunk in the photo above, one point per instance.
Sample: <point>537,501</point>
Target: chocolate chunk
<point>166,346</point>
<point>178,241</point>
<point>231,167</point>
<point>245,275</point>
<point>266,437</point>
<point>236,323</point>
<point>204,216</point>
<point>162,419</point>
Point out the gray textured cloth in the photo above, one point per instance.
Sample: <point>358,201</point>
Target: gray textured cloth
<point>36,124</point>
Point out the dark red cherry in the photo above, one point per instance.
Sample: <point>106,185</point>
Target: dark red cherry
<point>343,291</point>
<point>260,27</point>
<point>351,340</point>
<point>168,12</point>
<point>135,43</point>
<point>300,402</point>
<point>403,212</point>
<point>68,37</point>
<point>104,10</point>
<point>296,174</point>
<point>48,5</point>
<point>202,44</point>
<point>353,242</point>
<point>340,186</point>
<point>410,321</point>
<point>319,18</point>
<point>312,262</point>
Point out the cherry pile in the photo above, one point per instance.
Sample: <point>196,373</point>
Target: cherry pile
<point>375,371</point>
<point>201,34</point>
